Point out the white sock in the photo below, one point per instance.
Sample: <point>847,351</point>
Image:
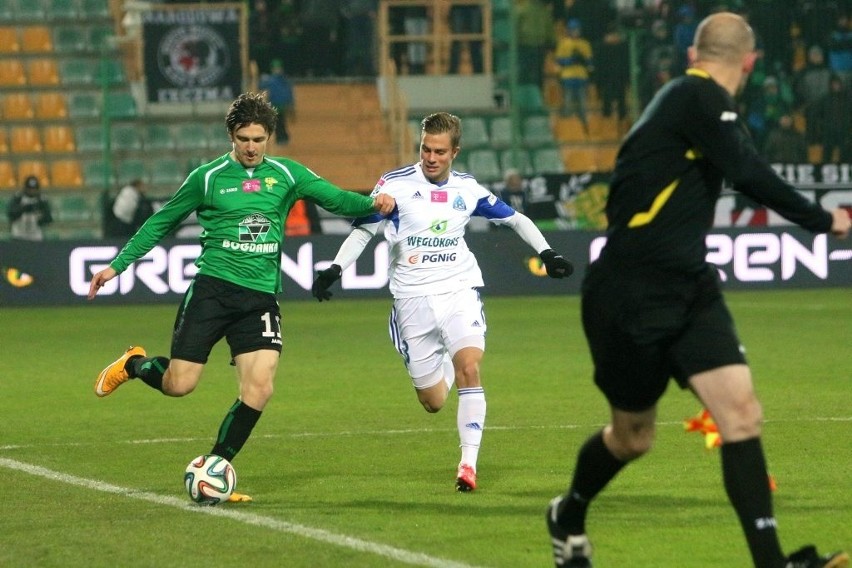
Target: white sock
<point>471,422</point>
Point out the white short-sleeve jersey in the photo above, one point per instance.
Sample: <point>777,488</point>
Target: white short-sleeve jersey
<point>426,230</point>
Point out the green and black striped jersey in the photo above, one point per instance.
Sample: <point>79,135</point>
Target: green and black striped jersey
<point>670,171</point>
<point>242,213</point>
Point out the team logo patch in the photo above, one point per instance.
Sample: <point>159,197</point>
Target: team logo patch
<point>439,197</point>
<point>251,185</point>
<point>254,228</point>
<point>439,226</point>
<point>459,204</point>
<point>269,182</point>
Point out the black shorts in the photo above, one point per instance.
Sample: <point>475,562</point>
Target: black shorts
<point>644,328</point>
<point>212,309</point>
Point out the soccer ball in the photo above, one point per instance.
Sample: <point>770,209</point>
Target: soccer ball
<point>210,479</point>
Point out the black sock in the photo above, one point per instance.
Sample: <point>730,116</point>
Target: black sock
<point>149,369</point>
<point>747,485</point>
<point>596,466</point>
<point>235,430</point>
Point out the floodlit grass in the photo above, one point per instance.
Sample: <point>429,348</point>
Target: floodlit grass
<point>344,447</point>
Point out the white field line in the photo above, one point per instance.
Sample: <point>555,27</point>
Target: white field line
<point>396,432</point>
<point>383,550</point>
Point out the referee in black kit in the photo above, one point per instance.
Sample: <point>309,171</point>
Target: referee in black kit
<point>652,306</point>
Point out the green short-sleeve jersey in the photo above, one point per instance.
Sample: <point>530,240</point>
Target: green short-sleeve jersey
<point>242,212</point>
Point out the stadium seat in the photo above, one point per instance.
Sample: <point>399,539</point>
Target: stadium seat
<point>580,159</point>
<point>168,172</point>
<point>35,168</point>
<point>125,137</point>
<point>59,138</point>
<point>63,9</point>
<point>159,137</point>
<point>43,72</point>
<point>606,157</point>
<point>50,105</point>
<point>191,136</point>
<point>484,165</point>
<point>9,42</point>
<point>100,37</point>
<point>548,161</point>
<point>17,106</point>
<point>74,207</point>
<point>90,138</point>
<point>474,132</point>
<point>95,8</point>
<point>78,71</point>
<point>69,40</point>
<point>84,105</point>
<point>12,73</point>
<point>66,173</point>
<point>501,132</point>
<point>570,129</point>
<point>4,140</point>
<point>523,163</point>
<point>537,131</point>
<point>36,39</point>
<point>603,128</point>
<point>129,170</point>
<point>7,10</point>
<point>120,105</point>
<point>530,99</point>
<point>25,140</point>
<point>111,71</point>
<point>30,11</point>
<point>8,180</point>
<point>95,174</point>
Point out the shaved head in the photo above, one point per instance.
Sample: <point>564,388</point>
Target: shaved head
<point>723,37</point>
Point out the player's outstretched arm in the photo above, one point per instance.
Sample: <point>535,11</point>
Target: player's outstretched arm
<point>840,223</point>
<point>99,279</point>
<point>325,278</point>
<point>349,252</point>
<point>556,265</point>
<point>384,203</point>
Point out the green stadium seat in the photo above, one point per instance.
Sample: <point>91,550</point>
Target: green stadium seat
<point>7,12</point>
<point>69,39</point>
<point>159,137</point>
<point>84,105</point>
<point>94,174</point>
<point>191,136</point>
<point>62,9</point>
<point>484,165</point>
<point>74,208</point>
<point>101,38</point>
<point>95,9</point>
<point>523,163</point>
<point>168,172</point>
<point>530,99</point>
<point>537,131</point>
<point>89,138</point>
<point>111,71</point>
<point>501,132</point>
<point>125,137</point>
<point>474,132</point>
<point>77,71</point>
<point>120,105</point>
<point>30,11</point>
<point>131,169</point>
<point>548,161</point>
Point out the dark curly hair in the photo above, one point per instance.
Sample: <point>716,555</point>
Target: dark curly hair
<point>251,108</point>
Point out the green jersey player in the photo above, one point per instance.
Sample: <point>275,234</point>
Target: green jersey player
<point>241,200</point>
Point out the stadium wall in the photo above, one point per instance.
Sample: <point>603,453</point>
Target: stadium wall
<point>58,272</point>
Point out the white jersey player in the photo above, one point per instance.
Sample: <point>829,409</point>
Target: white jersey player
<point>438,323</point>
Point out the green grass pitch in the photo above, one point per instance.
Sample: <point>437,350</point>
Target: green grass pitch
<point>347,469</point>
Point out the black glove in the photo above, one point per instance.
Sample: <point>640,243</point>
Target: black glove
<point>555,264</point>
<point>325,278</point>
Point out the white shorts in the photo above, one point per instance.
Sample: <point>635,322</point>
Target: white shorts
<point>426,328</point>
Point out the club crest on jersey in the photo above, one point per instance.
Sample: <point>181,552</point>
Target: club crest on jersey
<point>269,182</point>
<point>458,204</point>
<point>254,228</point>
<point>439,196</point>
<point>439,226</point>
<point>251,185</point>
<point>376,189</point>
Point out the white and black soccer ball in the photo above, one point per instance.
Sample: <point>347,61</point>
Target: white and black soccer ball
<point>210,479</point>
